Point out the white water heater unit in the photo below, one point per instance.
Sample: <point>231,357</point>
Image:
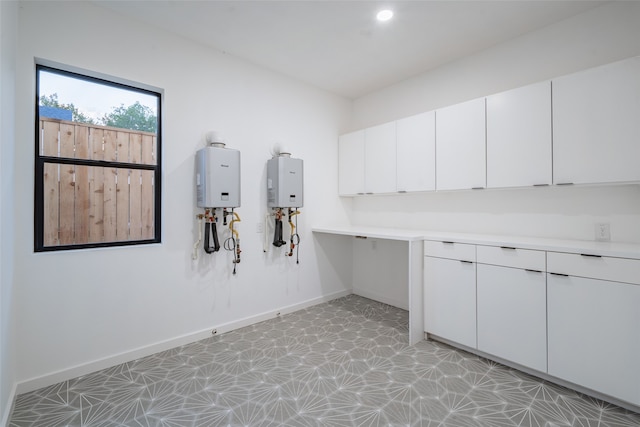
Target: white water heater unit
<point>218,177</point>
<point>284,182</point>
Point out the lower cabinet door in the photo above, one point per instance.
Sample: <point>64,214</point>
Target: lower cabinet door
<point>594,334</point>
<point>450,300</point>
<point>512,315</point>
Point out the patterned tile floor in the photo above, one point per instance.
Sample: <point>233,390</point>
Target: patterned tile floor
<point>342,363</point>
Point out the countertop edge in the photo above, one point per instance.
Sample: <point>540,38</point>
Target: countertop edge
<point>611,249</point>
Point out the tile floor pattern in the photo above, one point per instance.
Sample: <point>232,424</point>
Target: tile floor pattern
<point>342,363</point>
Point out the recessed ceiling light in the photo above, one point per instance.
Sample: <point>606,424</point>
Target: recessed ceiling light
<point>384,15</point>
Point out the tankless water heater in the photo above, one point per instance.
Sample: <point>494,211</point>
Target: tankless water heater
<point>218,177</point>
<point>284,182</point>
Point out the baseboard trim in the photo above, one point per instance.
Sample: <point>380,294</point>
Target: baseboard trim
<point>97,365</point>
<point>381,298</point>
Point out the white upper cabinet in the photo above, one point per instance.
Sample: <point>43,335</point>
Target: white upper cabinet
<point>380,158</point>
<point>416,150</point>
<point>583,128</point>
<point>351,163</point>
<point>519,137</point>
<point>460,146</point>
<point>596,124</point>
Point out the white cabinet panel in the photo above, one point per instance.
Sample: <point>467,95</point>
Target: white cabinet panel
<point>450,300</point>
<point>380,158</point>
<point>416,150</point>
<point>595,267</point>
<point>508,256</point>
<point>451,250</point>
<point>596,125</point>
<point>594,340</point>
<point>519,137</point>
<point>351,163</point>
<point>460,146</point>
<point>512,315</point>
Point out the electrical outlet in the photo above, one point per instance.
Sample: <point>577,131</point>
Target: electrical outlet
<point>259,227</point>
<point>374,244</point>
<point>603,232</point>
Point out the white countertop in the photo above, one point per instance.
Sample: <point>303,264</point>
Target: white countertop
<point>373,232</point>
<point>612,249</point>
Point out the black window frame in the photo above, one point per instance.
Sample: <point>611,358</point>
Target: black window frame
<point>40,161</point>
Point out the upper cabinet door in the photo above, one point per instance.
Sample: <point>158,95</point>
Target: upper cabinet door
<point>596,124</point>
<point>416,151</point>
<point>380,158</point>
<point>460,146</point>
<point>351,163</point>
<point>519,137</point>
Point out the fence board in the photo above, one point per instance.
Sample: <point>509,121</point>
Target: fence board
<point>81,214</point>
<point>110,144</point>
<point>122,141</point>
<point>67,204</point>
<point>110,214</point>
<point>148,149</point>
<point>154,150</point>
<point>40,137</point>
<point>51,204</point>
<point>122,204</point>
<point>82,142</point>
<point>135,147</point>
<point>96,137</point>
<point>96,204</point>
<point>67,140</point>
<point>50,138</point>
<point>147,204</point>
<point>81,187</point>
<point>135,216</point>
<point>67,194</point>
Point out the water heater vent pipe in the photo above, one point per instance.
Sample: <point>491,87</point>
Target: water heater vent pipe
<point>214,139</point>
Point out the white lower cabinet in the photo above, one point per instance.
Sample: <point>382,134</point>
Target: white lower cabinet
<point>594,334</point>
<point>512,315</point>
<point>450,297</point>
<point>574,316</point>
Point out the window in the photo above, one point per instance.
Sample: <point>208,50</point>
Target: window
<point>97,163</point>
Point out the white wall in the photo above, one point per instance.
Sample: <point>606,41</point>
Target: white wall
<point>76,308</point>
<point>598,36</point>
<point>8,41</point>
<point>380,270</point>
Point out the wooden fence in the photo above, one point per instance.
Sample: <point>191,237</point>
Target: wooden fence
<point>93,204</point>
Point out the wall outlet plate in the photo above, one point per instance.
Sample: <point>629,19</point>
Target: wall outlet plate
<point>603,232</point>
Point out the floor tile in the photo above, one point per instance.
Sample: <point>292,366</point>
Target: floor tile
<point>343,363</point>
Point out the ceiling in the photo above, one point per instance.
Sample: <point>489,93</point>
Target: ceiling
<point>338,45</point>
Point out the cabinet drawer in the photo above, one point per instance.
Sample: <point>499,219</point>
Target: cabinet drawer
<point>511,257</point>
<point>595,267</point>
<point>450,250</point>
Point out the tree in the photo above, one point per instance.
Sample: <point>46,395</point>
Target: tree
<point>52,101</point>
<point>135,117</point>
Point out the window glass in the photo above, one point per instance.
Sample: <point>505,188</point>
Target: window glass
<point>97,162</point>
